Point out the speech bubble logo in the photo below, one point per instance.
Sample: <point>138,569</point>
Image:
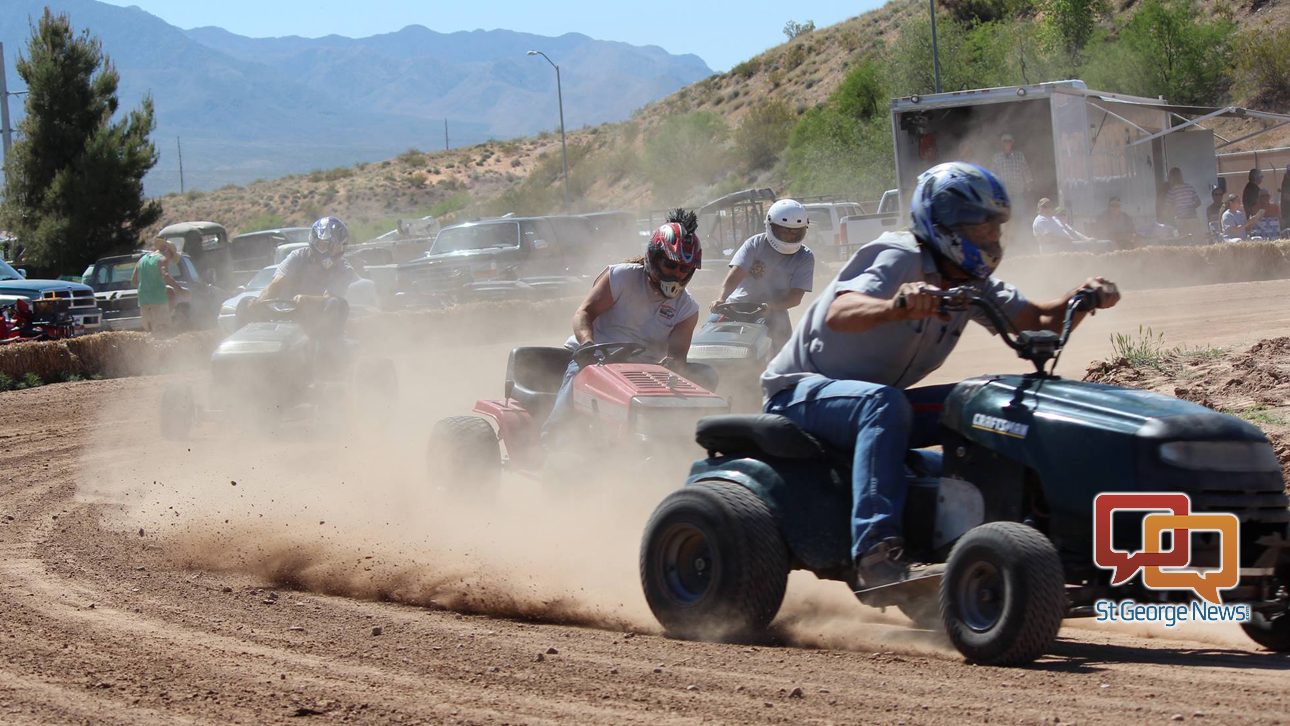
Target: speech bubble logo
<point>1208,583</point>
<point>1125,564</point>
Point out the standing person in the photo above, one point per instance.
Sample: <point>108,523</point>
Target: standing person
<point>151,278</point>
<point>845,374</point>
<point>1250,195</point>
<point>1183,202</point>
<point>1009,163</point>
<point>774,268</point>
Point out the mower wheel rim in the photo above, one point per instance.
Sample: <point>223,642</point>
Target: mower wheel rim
<point>981,594</point>
<point>687,563</point>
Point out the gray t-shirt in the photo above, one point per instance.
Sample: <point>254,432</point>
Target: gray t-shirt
<point>304,276</point>
<point>895,354</point>
<point>770,275</point>
<point>640,314</point>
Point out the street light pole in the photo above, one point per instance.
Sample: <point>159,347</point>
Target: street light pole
<point>564,149</point>
<point>936,57</point>
<point>5,131</point>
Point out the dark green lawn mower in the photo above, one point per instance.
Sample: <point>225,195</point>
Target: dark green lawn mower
<point>1006,505</point>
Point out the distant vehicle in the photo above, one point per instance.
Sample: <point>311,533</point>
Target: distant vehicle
<point>227,320</point>
<point>826,226</point>
<point>511,257</point>
<point>110,279</point>
<point>252,251</point>
<point>860,229</point>
<point>206,243</point>
<point>725,222</point>
<point>84,309</point>
<point>281,252</point>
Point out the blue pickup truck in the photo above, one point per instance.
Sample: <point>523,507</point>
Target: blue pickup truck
<point>83,306</point>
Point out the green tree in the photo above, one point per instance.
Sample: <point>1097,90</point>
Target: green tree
<point>1170,48</point>
<point>1069,24</point>
<point>763,133</point>
<point>844,146</point>
<point>1263,65</point>
<point>74,179</point>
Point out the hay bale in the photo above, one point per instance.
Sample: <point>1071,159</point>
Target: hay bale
<point>51,360</point>
<point>112,354</point>
<point>183,352</point>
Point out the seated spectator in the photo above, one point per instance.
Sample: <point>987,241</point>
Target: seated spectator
<point>1270,226</point>
<point>1214,212</point>
<point>1047,230</point>
<point>1118,226</point>
<point>1235,225</point>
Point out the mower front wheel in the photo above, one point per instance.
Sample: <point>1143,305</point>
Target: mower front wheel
<point>1271,633</point>
<point>464,457</point>
<point>1003,596</point>
<point>713,563</point>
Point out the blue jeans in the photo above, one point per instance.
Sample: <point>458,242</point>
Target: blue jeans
<point>878,424</point>
<point>563,406</point>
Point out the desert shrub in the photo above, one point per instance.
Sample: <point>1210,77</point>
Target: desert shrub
<point>684,152</point>
<point>763,134</point>
<point>264,221</point>
<point>1262,65</point>
<point>411,157</point>
<point>748,68</point>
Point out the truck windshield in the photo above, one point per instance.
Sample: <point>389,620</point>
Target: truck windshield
<point>7,272</point>
<point>477,237</point>
<point>112,276</point>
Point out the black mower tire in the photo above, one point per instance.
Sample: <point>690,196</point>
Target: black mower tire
<point>713,563</point>
<point>178,412</point>
<point>1271,634</point>
<point>1003,596</point>
<point>464,457</point>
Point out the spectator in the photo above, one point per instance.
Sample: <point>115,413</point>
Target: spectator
<point>152,278</point>
<point>1183,202</point>
<point>1285,200</point>
<point>1214,212</point>
<point>1011,167</point>
<point>1235,225</point>
<point>1047,230</point>
<point>1118,226</point>
<point>1250,195</point>
<point>1270,226</point>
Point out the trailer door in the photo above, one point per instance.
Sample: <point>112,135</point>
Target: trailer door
<point>1193,152</point>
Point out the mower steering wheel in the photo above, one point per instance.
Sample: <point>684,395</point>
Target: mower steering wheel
<point>740,309</point>
<point>606,353</point>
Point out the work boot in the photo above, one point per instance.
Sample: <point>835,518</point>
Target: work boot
<point>882,564</point>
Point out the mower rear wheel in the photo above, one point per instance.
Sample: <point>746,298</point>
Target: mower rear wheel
<point>464,456</point>
<point>178,412</point>
<point>1003,596</point>
<point>1271,634</point>
<point>713,563</point>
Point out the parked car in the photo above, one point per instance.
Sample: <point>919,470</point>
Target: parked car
<point>206,243</point>
<point>84,309</point>
<point>509,257</point>
<point>227,320</point>
<point>826,225</point>
<point>861,229</point>
<point>110,279</point>
<point>252,251</point>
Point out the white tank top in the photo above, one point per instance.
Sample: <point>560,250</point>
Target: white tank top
<point>640,314</point>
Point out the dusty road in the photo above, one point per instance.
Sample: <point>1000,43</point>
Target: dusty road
<point>236,579</point>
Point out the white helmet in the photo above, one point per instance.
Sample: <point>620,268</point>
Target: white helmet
<point>790,214</point>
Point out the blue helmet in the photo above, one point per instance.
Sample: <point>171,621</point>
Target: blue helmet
<point>327,238</point>
<point>948,196</point>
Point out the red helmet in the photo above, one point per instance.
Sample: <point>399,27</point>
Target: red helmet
<point>672,257</point>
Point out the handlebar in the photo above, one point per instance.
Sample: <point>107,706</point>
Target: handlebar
<point>1036,346</point>
<point>741,311</point>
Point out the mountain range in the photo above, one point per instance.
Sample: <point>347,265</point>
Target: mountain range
<point>244,108</point>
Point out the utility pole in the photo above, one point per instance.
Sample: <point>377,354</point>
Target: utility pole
<point>5,131</point>
<point>445,135</point>
<point>181,164</point>
<point>936,57</point>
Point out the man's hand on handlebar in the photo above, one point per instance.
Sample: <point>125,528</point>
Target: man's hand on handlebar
<point>918,300</point>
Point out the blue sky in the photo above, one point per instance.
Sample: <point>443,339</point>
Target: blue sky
<point>721,33</point>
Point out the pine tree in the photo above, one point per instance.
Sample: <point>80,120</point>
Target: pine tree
<point>74,177</point>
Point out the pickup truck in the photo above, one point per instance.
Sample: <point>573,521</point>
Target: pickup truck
<point>84,309</point>
<point>110,277</point>
<point>858,230</point>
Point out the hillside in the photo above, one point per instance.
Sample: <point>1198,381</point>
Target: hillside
<point>257,108</point>
<point>611,164</point>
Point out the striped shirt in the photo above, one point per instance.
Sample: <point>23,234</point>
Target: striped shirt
<point>1184,200</point>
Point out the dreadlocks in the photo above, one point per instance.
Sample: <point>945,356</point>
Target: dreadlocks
<point>688,220</point>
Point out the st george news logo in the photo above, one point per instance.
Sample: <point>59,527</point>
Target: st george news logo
<point>1167,569</point>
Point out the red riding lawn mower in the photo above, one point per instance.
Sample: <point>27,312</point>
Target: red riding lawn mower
<point>23,320</point>
<point>633,412</point>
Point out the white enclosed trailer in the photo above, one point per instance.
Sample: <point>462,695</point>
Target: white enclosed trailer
<point>1082,146</point>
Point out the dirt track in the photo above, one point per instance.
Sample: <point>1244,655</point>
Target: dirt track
<point>139,585</point>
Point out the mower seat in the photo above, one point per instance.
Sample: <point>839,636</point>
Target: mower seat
<point>533,377</point>
<point>757,435</point>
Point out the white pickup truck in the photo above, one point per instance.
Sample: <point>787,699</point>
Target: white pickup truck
<point>861,229</point>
